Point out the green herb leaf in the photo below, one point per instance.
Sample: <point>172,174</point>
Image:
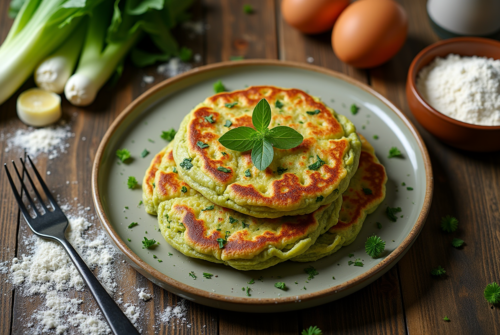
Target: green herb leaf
<point>374,246</point>
<point>320,198</point>
<point>457,243</point>
<point>283,137</point>
<point>123,154</point>
<point>492,293</point>
<point>311,271</point>
<point>312,330</point>
<point>247,173</point>
<point>278,104</point>
<point>185,54</point>
<point>262,154</point>
<point>449,224</point>
<point>247,9</point>
<point>192,274</point>
<point>201,145</point>
<point>209,208</point>
<point>394,152</point>
<point>219,87</point>
<point>379,225</point>
<point>149,244</point>
<point>281,170</point>
<point>184,189</point>
<point>314,112</point>
<point>439,271</point>
<point>367,191</point>
<point>133,224</point>
<point>409,188</point>
<point>223,169</point>
<point>354,109</point>
<point>248,291</point>
<point>221,242</point>
<point>252,281</point>
<point>144,153</point>
<point>232,220</point>
<point>231,104</point>
<point>186,164</point>
<point>228,123</point>
<point>209,118</point>
<point>239,139</point>
<point>168,135</point>
<point>132,182</point>
<point>446,319</point>
<point>391,213</point>
<point>317,165</point>
<point>174,169</point>
<point>261,116</point>
<point>207,275</point>
<point>375,137</point>
<point>280,285</point>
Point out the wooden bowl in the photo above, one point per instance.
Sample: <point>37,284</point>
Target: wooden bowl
<point>456,133</point>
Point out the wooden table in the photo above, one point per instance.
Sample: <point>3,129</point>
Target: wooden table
<point>405,300</point>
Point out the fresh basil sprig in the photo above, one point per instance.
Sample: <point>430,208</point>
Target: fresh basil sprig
<point>261,140</point>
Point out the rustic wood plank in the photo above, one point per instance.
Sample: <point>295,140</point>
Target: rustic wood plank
<point>465,186</point>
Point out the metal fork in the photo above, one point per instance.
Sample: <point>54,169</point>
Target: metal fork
<point>52,225</point>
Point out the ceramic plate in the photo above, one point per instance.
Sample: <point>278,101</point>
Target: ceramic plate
<point>164,106</point>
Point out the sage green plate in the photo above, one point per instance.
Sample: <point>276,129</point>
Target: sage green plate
<point>139,127</point>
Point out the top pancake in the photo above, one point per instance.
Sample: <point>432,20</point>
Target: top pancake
<point>288,186</point>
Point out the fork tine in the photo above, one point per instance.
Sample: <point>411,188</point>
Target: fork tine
<point>25,190</point>
<point>44,186</point>
<point>32,184</point>
<point>16,194</point>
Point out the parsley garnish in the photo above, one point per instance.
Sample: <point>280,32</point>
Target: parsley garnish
<point>247,9</point>
<point>447,319</point>
<point>367,191</point>
<point>133,224</point>
<point>174,170</point>
<point>168,135</point>
<point>320,198</point>
<point>219,87</point>
<point>457,243</point>
<point>261,140</point>
<point>248,291</point>
<point>356,262</point>
<point>209,118</point>
<point>131,182</point>
<point>144,153</point>
<point>394,152</point>
<point>231,104</point>
<point>375,137</point>
<point>351,255</point>
<point>228,123</point>
<point>374,246</point>
<point>492,293</point>
<point>314,112</point>
<point>186,164</point>
<point>221,242</point>
<point>223,153</point>
<point>247,173</point>
<point>449,224</point>
<point>379,225</point>
<point>281,170</point>
<point>201,145</point>
<point>278,104</point>
<point>252,281</point>
<point>209,208</point>
<point>244,225</point>
<point>223,169</point>
<point>354,109</point>
<point>317,165</point>
<point>148,244</point>
<point>140,203</point>
<point>123,154</point>
<point>280,285</point>
<point>391,213</point>
<point>409,188</point>
<point>313,330</point>
<point>232,220</point>
<point>311,271</point>
<point>185,54</point>
<point>207,275</point>
<point>184,189</point>
<point>192,274</point>
<point>439,271</point>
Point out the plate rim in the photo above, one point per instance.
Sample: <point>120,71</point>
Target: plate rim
<point>385,264</point>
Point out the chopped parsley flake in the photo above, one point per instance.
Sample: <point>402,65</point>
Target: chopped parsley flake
<point>278,104</point>
<point>223,169</point>
<point>394,152</point>
<point>351,255</point>
<point>314,112</point>
<point>221,242</point>
<point>312,330</point>
<point>170,254</point>
<point>231,104</point>
<point>248,291</point>
<point>409,188</point>
<point>219,87</point>
<point>207,275</point>
<point>209,118</point>
<point>374,246</point>
<point>184,189</point>
<point>439,271</point>
<point>140,203</point>
<point>247,173</point>
<point>232,220</point>
<point>354,109</point>
<point>192,274</point>
<point>144,153</point>
<point>201,145</point>
<point>391,213</point>
<point>320,198</point>
<point>133,224</point>
<point>186,164</point>
<point>244,225</point>
<point>131,182</point>
<point>223,153</point>
<point>280,285</point>
<point>148,244</point>
<point>228,123</point>
<point>492,293</point>
<point>375,137</point>
<point>379,225</point>
<point>367,191</point>
<point>317,165</point>
<point>281,170</point>
<point>123,154</point>
<point>252,281</point>
<point>129,240</point>
<point>209,208</point>
<point>356,262</point>
<point>247,9</point>
<point>457,243</point>
<point>174,170</point>
<point>311,271</point>
<point>168,135</point>
<point>449,224</point>
<point>447,319</point>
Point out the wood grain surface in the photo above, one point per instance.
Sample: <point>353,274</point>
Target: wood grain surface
<point>406,300</point>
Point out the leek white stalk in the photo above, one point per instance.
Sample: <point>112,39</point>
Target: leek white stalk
<point>53,73</point>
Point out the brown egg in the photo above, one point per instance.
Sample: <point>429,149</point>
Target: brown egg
<point>369,32</point>
<point>312,16</point>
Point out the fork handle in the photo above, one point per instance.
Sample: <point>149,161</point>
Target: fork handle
<point>117,320</point>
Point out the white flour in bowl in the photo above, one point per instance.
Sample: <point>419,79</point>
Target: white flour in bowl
<point>464,88</point>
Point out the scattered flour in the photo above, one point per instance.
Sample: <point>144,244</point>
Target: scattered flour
<point>178,312</point>
<point>173,67</point>
<point>49,140</point>
<point>148,79</point>
<point>145,296</point>
<point>464,88</point>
